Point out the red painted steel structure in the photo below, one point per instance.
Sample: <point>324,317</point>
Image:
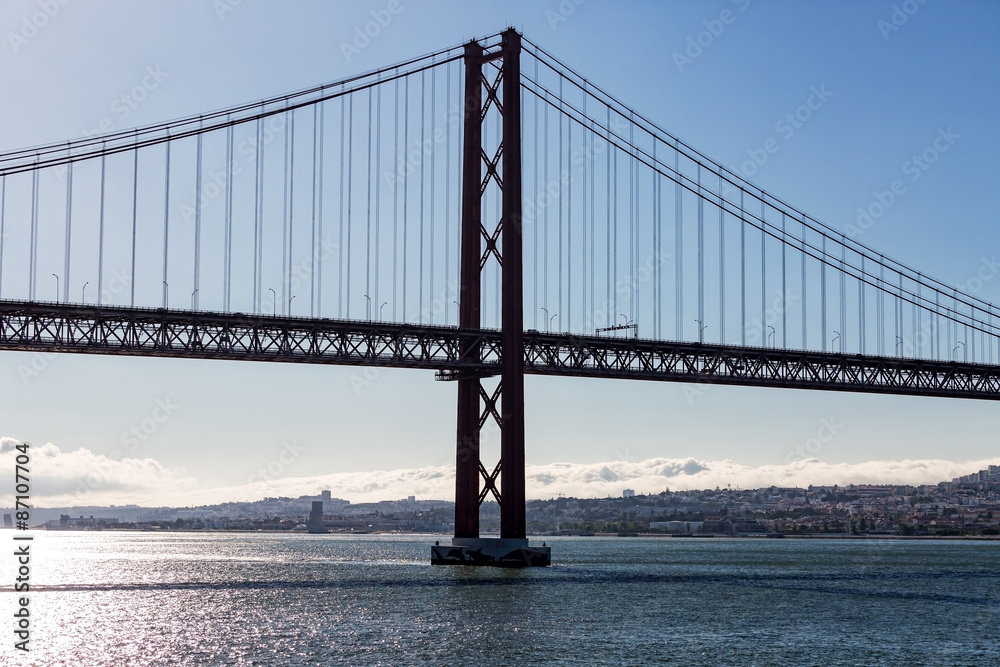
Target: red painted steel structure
<point>478,244</point>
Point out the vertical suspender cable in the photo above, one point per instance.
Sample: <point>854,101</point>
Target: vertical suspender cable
<point>3,224</point>
<point>166,227</point>
<point>880,306</point>
<point>843,297</point>
<point>583,217</point>
<point>545,223</point>
<point>917,339</point>
<point>535,204</point>
<point>822,283</point>
<point>679,242</point>
<point>312,242</point>
<point>400,173</point>
<point>593,226</point>
<point>763,268</point>
<point>33,268</point>
<point>803,292</point>
<point>350,190</point>
<point>631,219</point>
<point>341,207</point>
<point>69,230</point>
<point>611,277</point>
<point>378,167</point>
<point>258,201</point>
<point>899,317</point>
<point>614,250</point>
<point>569,227</point>
<point>100,242</point>
<point>321,239</point>
<point>406,181</point>
<point>433,196</point>
<point>936,343</point>
<point>861,310</point>
<point>559,283</point>
<point>722,265</point>
<point>135,211</point>
<point>368,214</point>
<point>701,257</point>
<point>449,289</point>
<point>784,286</point>
<point>743,276</point>
<point>228,284</point>
<point>420,217</point>
<point>635,234</point>
<point>656,245</point>
<point>284,218</point>
<point>197,223</point>
<point>291,213</point>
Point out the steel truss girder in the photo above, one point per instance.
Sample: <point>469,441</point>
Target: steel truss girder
<point>148,332</point>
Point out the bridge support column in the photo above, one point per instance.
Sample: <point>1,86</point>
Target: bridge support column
<point>469,301</point>
<point>505,403</point>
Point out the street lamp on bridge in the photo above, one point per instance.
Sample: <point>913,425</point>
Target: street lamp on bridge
<point>83,296</point>
<point>57,287</point>
<point>274,300</point>
<point>701,331</point>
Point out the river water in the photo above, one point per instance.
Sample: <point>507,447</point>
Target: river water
<point>115,599</point>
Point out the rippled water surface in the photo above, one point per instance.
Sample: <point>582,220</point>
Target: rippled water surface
<point>228,599</point>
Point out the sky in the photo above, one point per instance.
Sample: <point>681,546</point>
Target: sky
<point>720,75</point>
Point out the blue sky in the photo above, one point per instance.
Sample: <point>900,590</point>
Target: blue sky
<point>899,74</point>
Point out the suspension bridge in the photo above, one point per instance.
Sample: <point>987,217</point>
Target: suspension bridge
<point>482,211</point>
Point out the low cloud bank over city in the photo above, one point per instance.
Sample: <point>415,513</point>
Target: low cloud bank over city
<point>81,477</point>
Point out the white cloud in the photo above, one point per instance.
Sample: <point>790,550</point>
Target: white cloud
<point>81,477</point>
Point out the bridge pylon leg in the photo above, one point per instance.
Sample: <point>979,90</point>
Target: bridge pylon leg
<point>506,402</point>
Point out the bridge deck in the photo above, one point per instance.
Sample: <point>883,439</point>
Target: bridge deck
<point>49,327</point>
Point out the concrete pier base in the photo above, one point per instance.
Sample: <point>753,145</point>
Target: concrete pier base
<point>491,551</point>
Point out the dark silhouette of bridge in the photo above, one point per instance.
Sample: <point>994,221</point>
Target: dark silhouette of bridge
<point>463,178</point>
